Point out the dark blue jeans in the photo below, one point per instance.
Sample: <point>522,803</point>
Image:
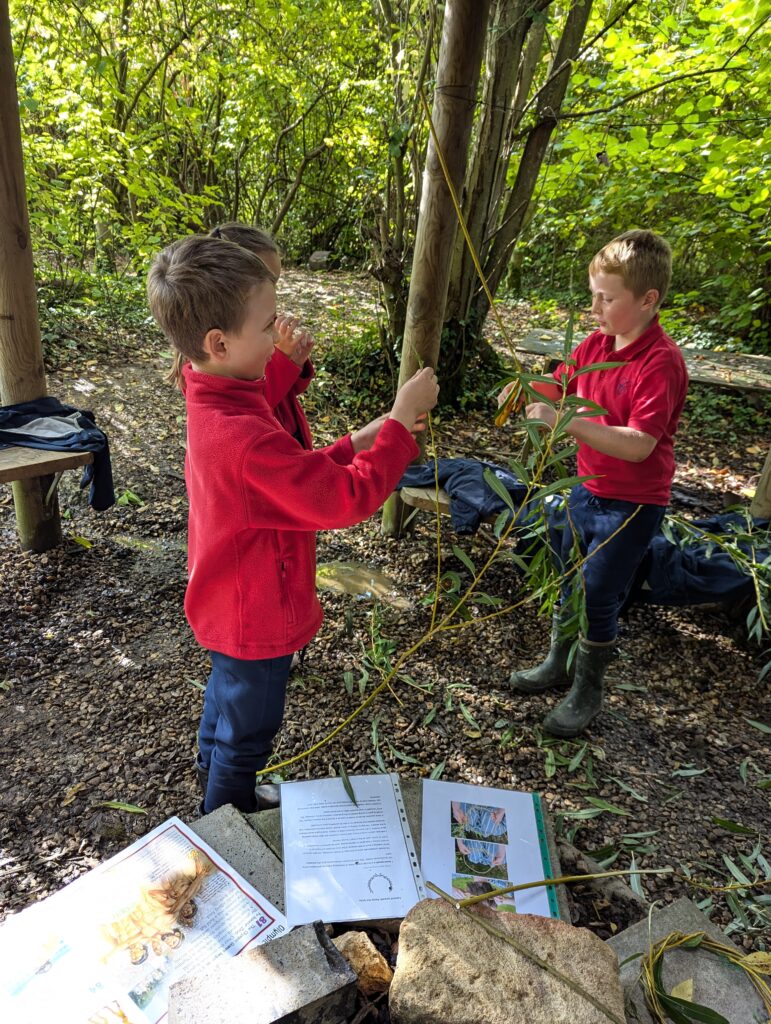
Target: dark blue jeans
<point>242,711</point>
<point>609,570</point>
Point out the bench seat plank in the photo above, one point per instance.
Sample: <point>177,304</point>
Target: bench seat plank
<point>726,369</point>
<point>426,498</point>
<point>18,463</point>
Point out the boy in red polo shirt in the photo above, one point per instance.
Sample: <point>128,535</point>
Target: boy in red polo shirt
<point>627,451</point>
<point>257,498</point>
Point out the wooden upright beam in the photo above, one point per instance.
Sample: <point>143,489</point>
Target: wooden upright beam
<point>22,377</point>
<point>457,77</point>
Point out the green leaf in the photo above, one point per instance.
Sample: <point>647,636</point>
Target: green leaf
<point>469,717</point>
<point>634,880</point>
<point>493,482</point>
<point>347,785</point>
<point>437,770</point>
<point>463,557</point>
<point>117,805</point>
<point>758,725</point>
<point>734,826</point>
<point>401,756</point>
<point>738,875</point>
<point>605,806</point>
<point>628,789</point>
<point>578,758</point>
<point>584,814</point>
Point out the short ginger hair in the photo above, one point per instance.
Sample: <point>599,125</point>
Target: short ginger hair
<point>642,259</point>
<point>197,284</point>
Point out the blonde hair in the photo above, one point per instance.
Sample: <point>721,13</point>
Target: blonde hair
<point>197,284</point>
<point>642,259</point>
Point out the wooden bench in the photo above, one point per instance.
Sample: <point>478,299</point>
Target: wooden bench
<point>726,369</point>
<point>18,463</point>
<point>430,500</point>
<point>427,498</point>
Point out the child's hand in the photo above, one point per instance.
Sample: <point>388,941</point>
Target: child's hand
<point>542,411</point>
<point>293,340</point>
<point>506,392</point>
<point>416,397</point>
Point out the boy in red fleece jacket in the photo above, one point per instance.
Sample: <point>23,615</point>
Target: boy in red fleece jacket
<point>257,498</point>
<point>627,451</point>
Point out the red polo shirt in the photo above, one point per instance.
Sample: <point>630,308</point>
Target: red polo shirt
<point>646,392</point>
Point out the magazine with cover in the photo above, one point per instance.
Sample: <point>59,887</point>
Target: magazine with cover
<point>107,947</point>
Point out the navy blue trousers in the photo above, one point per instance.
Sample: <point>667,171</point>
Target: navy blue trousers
<point>609,570</point>
<point>242,711</point>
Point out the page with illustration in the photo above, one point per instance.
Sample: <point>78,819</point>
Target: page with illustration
<point>106,949</point>
<point>346,861</point>
<point>476,840</point>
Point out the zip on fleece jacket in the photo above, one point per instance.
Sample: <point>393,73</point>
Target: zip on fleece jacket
<point>257,498</point>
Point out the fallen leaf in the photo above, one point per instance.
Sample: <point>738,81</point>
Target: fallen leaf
<point>684,990</point>
<point>71,793</point>
<point>760,962</point>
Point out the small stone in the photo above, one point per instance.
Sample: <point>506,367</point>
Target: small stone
<point>371,968</point>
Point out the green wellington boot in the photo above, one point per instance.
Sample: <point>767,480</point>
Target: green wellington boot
<point>584,701</point>
<point>553,670</point>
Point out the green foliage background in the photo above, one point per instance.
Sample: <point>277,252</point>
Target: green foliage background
<point>143,121</point>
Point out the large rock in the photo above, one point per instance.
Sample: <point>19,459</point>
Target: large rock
<point>371,967</point>
<point>451,971</point>
<point>321,259</point>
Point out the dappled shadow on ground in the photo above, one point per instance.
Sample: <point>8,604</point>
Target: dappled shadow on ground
<point>101,678</point>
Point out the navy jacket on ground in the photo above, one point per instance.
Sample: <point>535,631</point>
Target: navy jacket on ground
<point>696,572</point>
<point>48,424</point>
<point>471,498</point>
<point>670,574</point>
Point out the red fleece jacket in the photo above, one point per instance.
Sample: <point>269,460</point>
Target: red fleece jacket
<point>257,499</point>
<point>284,381</point>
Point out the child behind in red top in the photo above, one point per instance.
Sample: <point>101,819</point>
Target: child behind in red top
<point>290,371</point>
<point>257,498</point>
<point>626,450</point>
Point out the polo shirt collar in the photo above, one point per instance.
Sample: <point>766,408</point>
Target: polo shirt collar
<point>652,333</point>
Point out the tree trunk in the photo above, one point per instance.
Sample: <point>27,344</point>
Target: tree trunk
<point>460,55</point>
<point>760,508</point>
<point>22,377</point>
<point>548,107</point>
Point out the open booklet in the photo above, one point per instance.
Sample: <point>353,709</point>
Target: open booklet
<point>354,862</point>
<point>106,949</point>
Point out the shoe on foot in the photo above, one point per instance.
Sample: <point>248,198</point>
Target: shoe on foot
<point>552,673</point>
<point>584,702</point>
<point>267,794</point>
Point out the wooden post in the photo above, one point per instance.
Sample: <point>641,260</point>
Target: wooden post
<point>460,58</point>
<point>760,507</point>
<point>22,377</point>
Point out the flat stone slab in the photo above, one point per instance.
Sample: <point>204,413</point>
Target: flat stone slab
<point>299,978</point>
<point>716,984</point>
<point>228,832</point>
